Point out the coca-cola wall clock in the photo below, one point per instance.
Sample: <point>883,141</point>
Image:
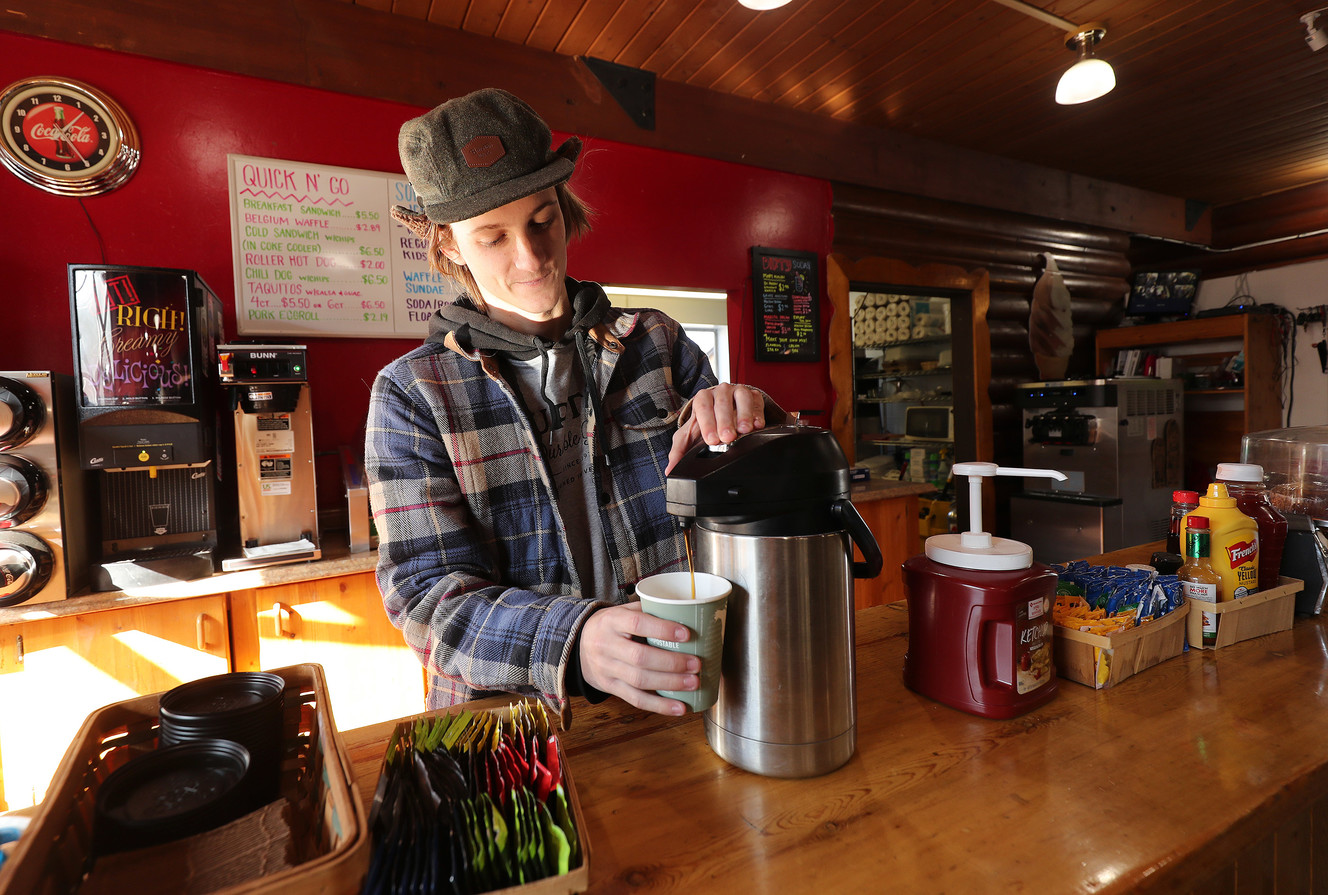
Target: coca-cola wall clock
<point>66,137</point>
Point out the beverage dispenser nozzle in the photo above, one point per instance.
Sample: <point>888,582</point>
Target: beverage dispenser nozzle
<point>976,548</point>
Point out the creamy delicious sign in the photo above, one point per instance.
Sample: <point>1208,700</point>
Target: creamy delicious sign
<point>133,339</point>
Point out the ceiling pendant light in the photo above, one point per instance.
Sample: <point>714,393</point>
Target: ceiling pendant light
<point>764,4</point>
<point>1090,77</point>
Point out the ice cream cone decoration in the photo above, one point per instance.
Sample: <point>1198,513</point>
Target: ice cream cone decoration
<point>1050,367</point>
<point>1050,331</point>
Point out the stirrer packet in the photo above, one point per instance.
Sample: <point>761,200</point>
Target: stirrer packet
<point>472,801</point>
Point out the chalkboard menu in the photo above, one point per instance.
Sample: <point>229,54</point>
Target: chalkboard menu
<point>317,254</point>
<point>786,305</point>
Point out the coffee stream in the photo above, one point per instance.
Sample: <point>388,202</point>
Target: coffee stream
<point>691,572</point>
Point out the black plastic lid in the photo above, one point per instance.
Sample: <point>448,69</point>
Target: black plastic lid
<point>224,697</point>
<point>768,473</point>
<point>171,793</point>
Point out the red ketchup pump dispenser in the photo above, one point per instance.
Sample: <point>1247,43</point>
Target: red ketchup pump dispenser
<point>979,615</point>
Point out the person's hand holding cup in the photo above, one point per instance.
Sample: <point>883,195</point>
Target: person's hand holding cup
<point>669,596</point>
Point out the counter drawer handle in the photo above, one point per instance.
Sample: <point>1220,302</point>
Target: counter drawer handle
<point>201,630</point>
<point>6,667</point>
<point>281,614</point>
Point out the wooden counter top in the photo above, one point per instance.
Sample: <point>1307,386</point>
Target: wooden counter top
<point>336,560</point>
<point>885,489</point>
<point>1157,784</point>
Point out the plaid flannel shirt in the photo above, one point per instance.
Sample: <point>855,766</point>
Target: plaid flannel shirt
<point>474,561</point>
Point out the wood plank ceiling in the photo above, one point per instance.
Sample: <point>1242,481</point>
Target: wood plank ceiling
<point>1217,101</point>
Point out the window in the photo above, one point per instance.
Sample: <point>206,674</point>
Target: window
<point>703,315</point>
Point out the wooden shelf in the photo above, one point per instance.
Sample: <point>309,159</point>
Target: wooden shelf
<point>906,374</point>
<point>925,340</point>
<point>902,441</point>
<point>1214,436</point>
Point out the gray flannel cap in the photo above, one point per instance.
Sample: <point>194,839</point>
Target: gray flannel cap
<point>478,152</point>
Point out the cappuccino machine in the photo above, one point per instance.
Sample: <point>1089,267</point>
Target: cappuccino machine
<point>274,453</point>
<point>1119,443</point>
<point>145,348</point>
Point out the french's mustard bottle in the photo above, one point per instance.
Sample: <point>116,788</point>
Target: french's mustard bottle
<point>1234,542</point>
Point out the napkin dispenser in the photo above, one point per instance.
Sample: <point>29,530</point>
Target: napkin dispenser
<point>359,520</point>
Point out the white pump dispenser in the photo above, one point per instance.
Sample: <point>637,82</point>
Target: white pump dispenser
<point>975,548</point>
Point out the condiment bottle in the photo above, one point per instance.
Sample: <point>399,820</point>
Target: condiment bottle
<point>1182,503</point>
<point>1234,544</point>
<point>979,615</point>
<point>1244,482</point>
<point>1198,579</point>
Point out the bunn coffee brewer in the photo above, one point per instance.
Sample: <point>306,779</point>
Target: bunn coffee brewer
<point>772,515</point>
<point>274,454</point>
<point>145,348</point>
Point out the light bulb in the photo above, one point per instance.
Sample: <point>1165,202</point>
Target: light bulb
<point>1086,80</point>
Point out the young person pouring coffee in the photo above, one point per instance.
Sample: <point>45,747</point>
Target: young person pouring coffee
<point>517,458</point>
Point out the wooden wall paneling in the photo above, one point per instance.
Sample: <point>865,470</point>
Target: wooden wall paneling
<point>1282,251</point>
<point>1293,853</point>
<point>1319,847</point>
<point>1040,229</point>
<point>1283,214</point>
<point>339,623</point>
<point>1256,868</point>
<point>75,664</point>
<point>895,525</point>
<point>364,52</point>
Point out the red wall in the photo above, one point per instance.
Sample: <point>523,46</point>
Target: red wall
<point>664,219</point>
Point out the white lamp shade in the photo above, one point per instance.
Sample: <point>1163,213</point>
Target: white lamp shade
<point>1087,79</point>
<point>764,4</point>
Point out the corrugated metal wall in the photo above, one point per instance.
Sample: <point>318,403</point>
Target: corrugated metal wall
<point>918,230</point>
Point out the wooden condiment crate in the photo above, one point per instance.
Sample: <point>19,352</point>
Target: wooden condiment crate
<point>576,879</point>
<point>329,837</point>
<point>1262,612</point>
<point>1103,660</point>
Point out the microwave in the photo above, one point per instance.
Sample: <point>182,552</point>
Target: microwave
<point>934,423</point>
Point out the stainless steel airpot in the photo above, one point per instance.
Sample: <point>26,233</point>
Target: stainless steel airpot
<point>772,515</point>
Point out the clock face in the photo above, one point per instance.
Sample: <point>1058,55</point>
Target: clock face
<point>66,137</point>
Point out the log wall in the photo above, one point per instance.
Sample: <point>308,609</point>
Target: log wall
<point>919,231</point>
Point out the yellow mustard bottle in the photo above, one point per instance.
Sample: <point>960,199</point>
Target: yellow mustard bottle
<point>1234,543</point>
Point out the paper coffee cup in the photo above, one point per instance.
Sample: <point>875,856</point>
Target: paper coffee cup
<point>668,596</point>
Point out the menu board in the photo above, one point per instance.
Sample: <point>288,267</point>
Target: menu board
<point>786,307</point>
<point>318,254</point>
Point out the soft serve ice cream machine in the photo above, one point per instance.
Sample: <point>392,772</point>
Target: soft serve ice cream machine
<point>1119,443</point>
<point>274,453</point>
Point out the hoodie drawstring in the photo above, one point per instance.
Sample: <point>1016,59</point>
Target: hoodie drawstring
<point>587,356</point>
<point>550,406</point>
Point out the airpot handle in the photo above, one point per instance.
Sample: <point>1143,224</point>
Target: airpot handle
<point>847,515</point>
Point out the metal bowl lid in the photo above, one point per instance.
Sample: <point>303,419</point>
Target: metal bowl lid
<point>26,564</point>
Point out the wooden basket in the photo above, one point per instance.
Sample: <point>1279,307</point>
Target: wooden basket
<point>1262,612</point>
<point>329,837</point>
<point>1103,660</point>
<point>576,879</point>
